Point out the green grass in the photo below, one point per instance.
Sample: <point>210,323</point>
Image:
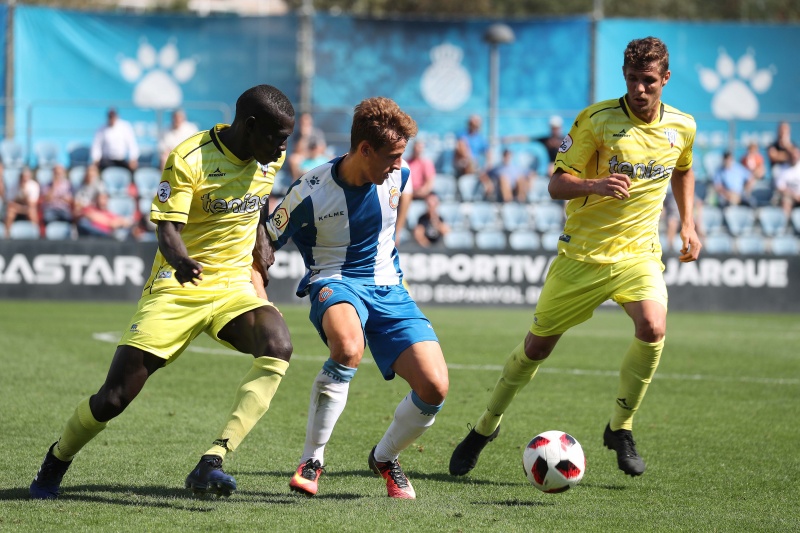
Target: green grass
<point>719,430</point>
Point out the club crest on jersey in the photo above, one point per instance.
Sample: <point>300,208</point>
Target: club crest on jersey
<point>394,197</point>
<point>264,169</point>
<point>280,218</point>
<point>672,136</point>
<point>566,144</point>
<point>163,192</point>
<point>325,293</point>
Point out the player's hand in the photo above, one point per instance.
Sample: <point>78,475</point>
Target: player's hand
<point>188,271</point>
<point>615,186</point>
<point>690,250</point>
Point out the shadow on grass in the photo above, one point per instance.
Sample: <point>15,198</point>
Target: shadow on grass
<point>515,503</point>
<point>412,475</point>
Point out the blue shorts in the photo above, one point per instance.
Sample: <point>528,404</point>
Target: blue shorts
<point>390,319</point>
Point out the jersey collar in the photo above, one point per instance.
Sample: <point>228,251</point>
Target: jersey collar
<point>623,104</point>
<point>214,132</point>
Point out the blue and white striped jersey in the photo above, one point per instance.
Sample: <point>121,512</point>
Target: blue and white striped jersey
<point>342,232</point>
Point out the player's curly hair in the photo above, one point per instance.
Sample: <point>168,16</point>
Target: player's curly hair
<point>263,101</point>
<point>380,121</point>
<point>640,53</point>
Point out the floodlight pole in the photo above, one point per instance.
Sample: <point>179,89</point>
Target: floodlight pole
<point>495,35</point>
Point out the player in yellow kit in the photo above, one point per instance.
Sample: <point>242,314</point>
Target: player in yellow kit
<point>214,190</point>
<point>613,167</point>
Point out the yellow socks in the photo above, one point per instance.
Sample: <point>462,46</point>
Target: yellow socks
<point>638,366</point>
<point>517,373</point>
<point>80,429</point>
<point>252,401</point>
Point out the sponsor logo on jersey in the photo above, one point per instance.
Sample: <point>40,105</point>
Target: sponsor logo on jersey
<point>566,144</point>
<point>164,274</point>
<point>564,237</point>
<point>672,136</point>
<point>394,197</point>
<point>622,133</point>
<point>134,328</point>
<point>163,192</point>
<point>325,293</point>
<point>280,218</point>
<point>330,215</point>
<point>642,171</point>
<point>312,181</point>
<point>250,203</point>
<point>216,174</point>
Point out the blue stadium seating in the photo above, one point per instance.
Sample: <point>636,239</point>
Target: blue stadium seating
<point>548,217</point>
<point>470,188</point>
<point>47,154</point>
<point>117,180</point>
<point>784,245</point>
<point>11,154</point>
<point>444,185</point>
<point>490,240</point>
<point>58,230</point>
<point>483,215</point>
<point>147,180</point>
<point>772,220</point>
<point>740,219</point>
<point>524,239</point>
<point>751,244</point>
<point>550,240</point>
<point>452,214</point>
<point>415,210</point>
<point>460,239</point>
<point>23,229</point>
<point>515,216</point>
<point>718,243</point>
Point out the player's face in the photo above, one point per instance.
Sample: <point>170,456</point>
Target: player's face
<point>268,139</point>
<point>644,90</point>
<point>385,161</point>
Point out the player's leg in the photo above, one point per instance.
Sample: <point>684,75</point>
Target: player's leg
<point>338,314</point>
<point>643,294</point>
<point>127,374</point>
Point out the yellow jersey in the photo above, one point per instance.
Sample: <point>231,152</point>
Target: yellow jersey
<point>219,198</point>
<point>607,138</point>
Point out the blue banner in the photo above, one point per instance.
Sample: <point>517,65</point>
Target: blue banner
<point>72,66</point>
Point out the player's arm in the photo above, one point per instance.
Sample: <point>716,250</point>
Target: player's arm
<point>264,251</point>
<point>172,247</point>
<point>565,186</point>
<point>683,190</point>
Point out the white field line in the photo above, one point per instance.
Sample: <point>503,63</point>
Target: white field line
<point>111,337</point>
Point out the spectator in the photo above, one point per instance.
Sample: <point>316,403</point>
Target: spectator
<point>552,141</point>
<point>472,154</point>
<point>96,220</point>
<point>423,172</point>
<point>784,156</point>
<point>2,190</point>
<point>57,199</point>
<point>307,135</point>
<point>180,130</point>
<point>316,156</point>
<point>87,193</point>
<point>753,161</point>
<point>23,200</point>
<point>430,227</point>
<point>733,182</point>
<point>507,181</point>
<point>115,144</point>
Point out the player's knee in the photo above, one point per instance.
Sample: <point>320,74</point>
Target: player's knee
<point>651,329</point>
<point>109,403</point>
<point>434,392</point>
<point>278,346</point>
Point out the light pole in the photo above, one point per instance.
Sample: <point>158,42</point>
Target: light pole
<point>495,35</point>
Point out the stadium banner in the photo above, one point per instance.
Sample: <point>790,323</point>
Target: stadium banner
<point>722,72</point>
<point>97,270</point>
<point>144,65</point>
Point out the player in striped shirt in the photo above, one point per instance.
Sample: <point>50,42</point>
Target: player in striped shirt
<point>342,217</point>
<point>613,167</point>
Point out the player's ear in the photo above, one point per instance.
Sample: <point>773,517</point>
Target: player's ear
<point>250,124</point>
<point>364,148</point>
<point>665,79</point>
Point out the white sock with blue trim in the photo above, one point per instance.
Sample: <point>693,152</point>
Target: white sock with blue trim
<point>411,419</point>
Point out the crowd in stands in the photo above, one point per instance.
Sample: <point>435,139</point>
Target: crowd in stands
<point>482,197</point>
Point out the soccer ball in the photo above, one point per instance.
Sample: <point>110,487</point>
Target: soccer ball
<point>553,461</point>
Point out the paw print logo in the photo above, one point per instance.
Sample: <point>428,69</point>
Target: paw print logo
<point>735,85</point>
<point>313,180</point>
<point>157,75</point>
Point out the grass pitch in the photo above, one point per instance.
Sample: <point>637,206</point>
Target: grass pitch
<point>718,429</point>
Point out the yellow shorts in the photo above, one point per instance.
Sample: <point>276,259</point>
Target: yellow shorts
<point>574,289</point>
<point>169,318</point>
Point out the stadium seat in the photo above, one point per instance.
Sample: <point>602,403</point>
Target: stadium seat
<point>146,180</point>
<point>47,154</point>
<point>148,157</point>
<point>444,185</point>
<point>784,245</point>
<point>58,230</point>
<point>538,192</point>
<point>75,175</point>
<point>78,155</point>
<point>452,214</point>
<point>711,217</point>
<point>761,194</point>
<point>483,215</point>
<point>772,220</point>
<point>11,179</point>
<point>550,241</point>
<point>524,239</point>
<point>712,161</point>
<point>795,216</point>
<point>490,240</point>
<point>23,229</point>
<point>752,244</point>
<point>123,206</point>
<point>11,154</point>
<point>415,210</point>
<point>740,219</point>
<point>405,236</point>
<point>460,239</point>
<point>44,176</point>
<point>718,243</point>
<point>117,180</point>
<point>469,188</point>
<point>514,216</point>
<point>548,217</point>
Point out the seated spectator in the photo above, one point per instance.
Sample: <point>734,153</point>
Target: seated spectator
<point>115,144</point>
<point>316,156</point>
<point>96,220</point>
<point>23,200</point>
<point>306,136</point>
<point>87,193</point>
<point>423,173</point>
<point>753,161</point>
<point>180,130</point>
<point>430,227</point>
<point>472,152</point>
<point>733,182</point>
<point>784,156</point>
<point>57,198</point>
<point>507,181</point>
